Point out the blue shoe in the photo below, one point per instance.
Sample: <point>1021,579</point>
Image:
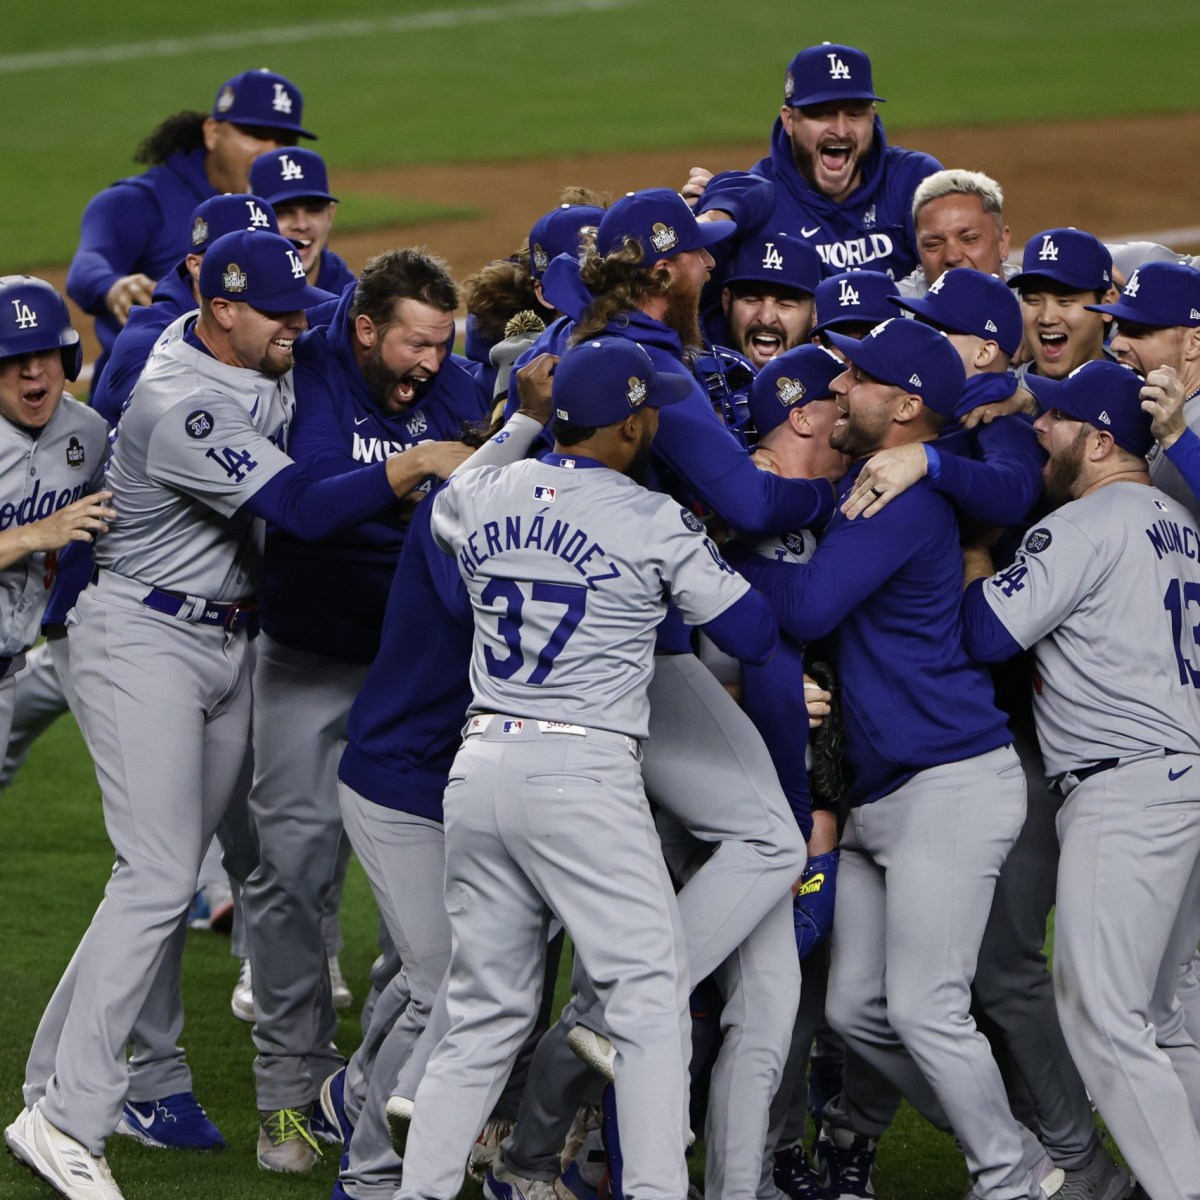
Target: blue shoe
<point>572,1181</point>
<point>339,1192</point>
<point>504,1185</point>
<point>795,1177</point>
<point>323,1129</point>
<point>199,914</point>
<point>173,1123</point>
<point>332,1110</point>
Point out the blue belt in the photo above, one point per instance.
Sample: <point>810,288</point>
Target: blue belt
<point>233,617</point>
<point>5,663</point>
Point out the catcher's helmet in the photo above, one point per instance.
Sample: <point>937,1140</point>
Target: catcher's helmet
<point>33,318</point>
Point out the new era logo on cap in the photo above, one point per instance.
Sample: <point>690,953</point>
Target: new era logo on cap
<point>915,380</point>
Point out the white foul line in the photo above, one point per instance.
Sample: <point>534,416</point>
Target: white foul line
<point>315,31</point>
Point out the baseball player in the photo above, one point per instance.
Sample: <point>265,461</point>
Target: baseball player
<point>377,380</point>
<point>1100,592</point>
<point>852,303</point>
<point>838,184</point>
<point>52,452</point>
<point>294,182</point>
<point>135,230</point>
<point>938,771</point>
<point>160,659</point>
<point>767,298</point>
<point>563,646</point>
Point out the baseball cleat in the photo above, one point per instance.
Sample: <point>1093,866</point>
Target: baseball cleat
<point>846,1163</point>
<point>595,1050</point>
<point>285,1141</point>
<point>571,1185</point>
<point>332,1108</point>
<point>65,1164</point>
<point>1101,1179</point>
<point>794,1175</point>
<point>399,1112</point>
<point>173,1123</point>
<point>242,1001</point>
<point>487,1146</point>
<point>587,1119</point>
<point>343,998</point>
<point>502,1184</point>
<point>1046,1178</point>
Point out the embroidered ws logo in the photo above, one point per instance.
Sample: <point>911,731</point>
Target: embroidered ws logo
<point>234,279</point>
<point>789,391</point>
<point>915,380</point>
<point>663,237</point>
<point>297,265</point>
<point>282,102</point>
<point>1131,288</point>
<point>225,99</point>
<point>289,169</point>
<point>772,260</point>
<point>837,68</point>
<point>200,232</point>
<point>75,454</point>
<point>541,260</point>
<point>847,294</point>
<point>25,316</point>
<point>1049,251</point>
<point>258,218</point>
<point>637,391</point>
<point>416,425</point>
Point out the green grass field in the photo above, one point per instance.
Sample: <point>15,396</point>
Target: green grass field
<point>414,81</point>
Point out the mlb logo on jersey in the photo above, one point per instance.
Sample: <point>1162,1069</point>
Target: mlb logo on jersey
<point>1049,251</point>
<point>544,493</point>
<point>282,101</point>
<point>26,317</point>
<point>513,727</point>
<point>288,169</point>
<point>663,237</point>
<point>772,259</point>
<point>234,279</point>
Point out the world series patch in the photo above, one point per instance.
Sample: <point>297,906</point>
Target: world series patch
<point>75,453</point>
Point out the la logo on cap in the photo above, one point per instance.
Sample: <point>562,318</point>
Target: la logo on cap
<point>282,101</point>
<point>287,168</point>
<point>837,68</point>
<point>637,391</point>
<point>663,237</point>
<point>772,260</point>
<point>199,231</point>
<point>297,265</point>
<point>234,279</point>
<point>937,285</point>
<point>1131,288</point>
<point>26,317</point>
<point>789,391</point>
<point>258,218</point>
<point>1049,251</point>
<point>847,295</point>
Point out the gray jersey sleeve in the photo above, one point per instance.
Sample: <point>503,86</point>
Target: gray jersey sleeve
<point>687,556</point>
<point>207,447</point>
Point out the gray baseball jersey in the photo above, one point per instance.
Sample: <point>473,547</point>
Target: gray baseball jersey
<point>1108,588</point>
<point>196,440</point>
<point>38,476</point>
<point>600,558</point>
<point>1165,475</point>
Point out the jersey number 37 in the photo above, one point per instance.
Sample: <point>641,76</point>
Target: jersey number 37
<point>509,593</point>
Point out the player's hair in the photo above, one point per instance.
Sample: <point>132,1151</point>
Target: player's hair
<point>620,282</point>
<point>567,434</point>
<point>180,134</point>
<point>408,274</point>
<point>578,194</point>
<point>1042,283</point>
<point>496,293</point>
<point>957,182</point>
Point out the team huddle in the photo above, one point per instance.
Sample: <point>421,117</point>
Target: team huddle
<point>784,596</point>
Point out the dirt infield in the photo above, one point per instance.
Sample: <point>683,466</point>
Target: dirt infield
<point>1133,175</point>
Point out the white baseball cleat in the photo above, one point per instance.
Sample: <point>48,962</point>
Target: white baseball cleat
<point>242,1000</point>
<point>595,1050</point>
<point>65,1164</point>
<point>343,998</point>
<point>399,1111</point>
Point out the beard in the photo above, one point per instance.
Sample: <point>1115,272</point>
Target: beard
<point>1061,472</point>
<point>639,468</point>
<point>854,440</point>
<point>382,383</point>
<point>683,313</point>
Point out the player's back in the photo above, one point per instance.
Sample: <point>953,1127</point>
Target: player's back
<point>569,566</point>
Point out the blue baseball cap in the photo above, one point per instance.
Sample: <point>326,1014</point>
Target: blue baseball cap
<point>790,380</point>
<point>290,173</point>
<point>776,259</point>
<point>964,300</point>
<point>258,268</point>
<point>910,355</point>
<point>854,297</point>
<point>828,72</point>
<point>261,98</point>
<point>557,232</point>
<point>1067,256</point>
<point>1106,395</point>
<point>1158,294</point>
<point>601,381</point>
<point>220,215</point>
<point>661,222</point>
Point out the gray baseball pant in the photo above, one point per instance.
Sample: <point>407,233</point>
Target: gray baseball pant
<point>1128,892</point>
<point>38,701</point>
<point>165,712</point>
<point>915,882</point>
<point>525,814</point>
<point>301,702</point>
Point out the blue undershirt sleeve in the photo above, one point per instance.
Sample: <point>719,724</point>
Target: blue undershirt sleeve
<point>313,509</point>
<point>985,638</point>
<point>747,629</point>
<point>1185,455</point>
